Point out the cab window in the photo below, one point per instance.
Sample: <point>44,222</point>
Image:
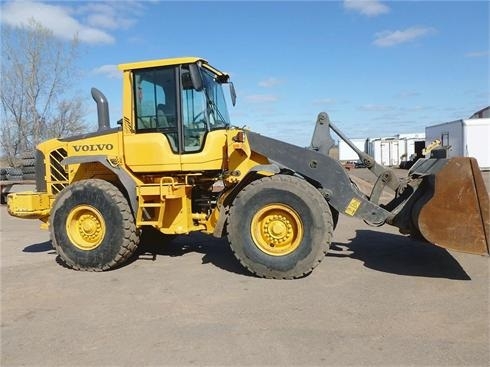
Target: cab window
<point>155,106</point>
<point>202,111</point>
<point>194,114</point>
<point>217,111</point>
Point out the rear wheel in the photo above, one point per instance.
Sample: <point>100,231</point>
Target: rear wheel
<point>92,227</point>
<point>280,227</point>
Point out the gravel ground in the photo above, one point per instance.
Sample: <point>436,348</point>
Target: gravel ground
<point>377,299</point>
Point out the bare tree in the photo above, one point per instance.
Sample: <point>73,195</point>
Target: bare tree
<point>37,75</point>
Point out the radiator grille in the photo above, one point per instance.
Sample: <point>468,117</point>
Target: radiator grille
<point>58,174</point>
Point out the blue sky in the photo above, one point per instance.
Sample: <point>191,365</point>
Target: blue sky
<point>377,67</point>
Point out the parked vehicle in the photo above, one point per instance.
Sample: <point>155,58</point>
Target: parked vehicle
<point>191,170</point>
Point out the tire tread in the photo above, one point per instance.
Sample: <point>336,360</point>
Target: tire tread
<point>320,203</point>
<point>130,237</point>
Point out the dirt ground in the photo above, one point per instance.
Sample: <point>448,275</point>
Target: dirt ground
<point>378,298</point>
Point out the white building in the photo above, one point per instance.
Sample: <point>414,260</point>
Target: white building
<point>391,151</point>
<point>464,138</point>
<point>346,153</point>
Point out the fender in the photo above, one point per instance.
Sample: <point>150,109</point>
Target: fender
<point>123,176</point>
<point>261,169</point>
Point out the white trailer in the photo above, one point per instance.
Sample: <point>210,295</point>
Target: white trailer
<point>411,146</point>
<point>397,150</point>
<point>387,151</point>
<point>374,149</point>
<point>465,138</point>
<point>347,154</point>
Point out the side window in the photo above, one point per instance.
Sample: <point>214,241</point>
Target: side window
<point>147,111</point>
<point>155,107</point>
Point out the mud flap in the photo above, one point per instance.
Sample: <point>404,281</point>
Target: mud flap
<point>454,210</point>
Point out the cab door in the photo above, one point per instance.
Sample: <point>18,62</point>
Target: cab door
<point>153,146</point>
<point>203,140</point>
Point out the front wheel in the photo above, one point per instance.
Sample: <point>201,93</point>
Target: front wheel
<point>92,226</point>
<point>280,227</point>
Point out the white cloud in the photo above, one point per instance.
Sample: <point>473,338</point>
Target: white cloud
<point>370,8</point>
<point>393,38</point>
<point>102,21</point>
<point>416,108</point>
<point>325,101</point>
<point>375,108</point>
<point>112,15</point>
<point>261,98</point>
<point>477,54</point>
<point>407,94</point>
<point>57,18</point>
<point>269,82</point>
<point>110,71</point>
<point>90,22</point>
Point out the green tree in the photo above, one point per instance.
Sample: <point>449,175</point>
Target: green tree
<point>38,75</point>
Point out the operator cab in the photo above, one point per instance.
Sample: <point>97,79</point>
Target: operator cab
<point>181,98</point>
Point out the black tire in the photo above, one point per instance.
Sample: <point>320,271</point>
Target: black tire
<point>303,234</point>
<point>92,226</point>
<point>13,171</point>
<point>27,155</point>
<point>14,174</point>
<point>28,169</point>
<point>28,162</point>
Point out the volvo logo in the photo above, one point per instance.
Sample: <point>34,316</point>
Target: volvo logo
<point>92,147</point>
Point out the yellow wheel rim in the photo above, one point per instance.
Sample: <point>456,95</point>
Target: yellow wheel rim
<point>85,227</point>
<point>277,229</point>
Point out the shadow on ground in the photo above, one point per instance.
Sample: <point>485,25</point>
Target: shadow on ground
<point>216,251</point>
<point>385,252</point>
<point>397,254</point>
<point>153,244</point>
<point>39,247</point>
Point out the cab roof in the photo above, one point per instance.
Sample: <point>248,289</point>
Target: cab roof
<point>169,62</point>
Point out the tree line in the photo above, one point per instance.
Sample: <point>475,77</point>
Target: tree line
<point>38,94</point>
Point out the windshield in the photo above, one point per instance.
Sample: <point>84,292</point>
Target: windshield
<point>218,112</point>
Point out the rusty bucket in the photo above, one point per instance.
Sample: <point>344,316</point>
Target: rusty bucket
<point>454,210</point>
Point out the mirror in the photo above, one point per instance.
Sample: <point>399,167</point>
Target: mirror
<point>232,94</point>
<point>196,77</point>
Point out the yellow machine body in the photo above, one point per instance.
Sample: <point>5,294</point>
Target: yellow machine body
<point>163,190</point>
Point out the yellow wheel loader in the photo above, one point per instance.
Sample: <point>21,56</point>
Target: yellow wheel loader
<point>176,164</point>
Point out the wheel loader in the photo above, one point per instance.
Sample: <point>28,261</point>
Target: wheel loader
<point>175,163</point>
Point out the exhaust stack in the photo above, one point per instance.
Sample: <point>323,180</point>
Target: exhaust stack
<point>102,109</point>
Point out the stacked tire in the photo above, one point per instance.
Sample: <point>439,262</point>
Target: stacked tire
<point>28,165</point>
<point>25,171</point>
<point>13,174</point>
<point>8,174</point>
